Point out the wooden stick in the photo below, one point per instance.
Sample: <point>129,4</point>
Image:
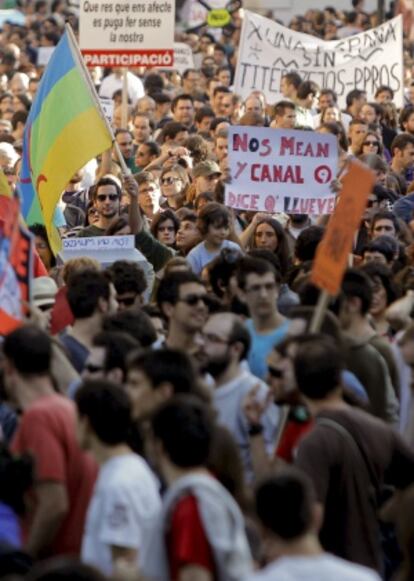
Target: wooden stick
<point>319,312</point>
<point>124,106</point>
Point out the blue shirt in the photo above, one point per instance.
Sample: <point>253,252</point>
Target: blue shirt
<point>262,345</point>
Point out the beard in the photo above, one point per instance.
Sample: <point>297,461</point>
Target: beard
<point>215,367</point>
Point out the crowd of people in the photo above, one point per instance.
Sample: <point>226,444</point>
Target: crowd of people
<point>180,421</point>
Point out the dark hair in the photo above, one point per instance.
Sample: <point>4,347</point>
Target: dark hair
<point>16,478</point>
<point>383,273</point>
<point>318,365</point>
<point>240,334</point>
<point>338,130</point>
<point>307,88</point>
<point>169,287</point>
<point>106,181</point>
<point>108,409</point>
<point>385,245</point>
<point>162,217</point>
<point>136,324</point>
<point>282,251</point>
<point>19,117</point>
<point>63,569</point>
<point>212,214</point>
<point>171,130</point>
<point>404,115</point>
<point>357,284</point>
<point>329,92</point>
<point>293,79</point>
<point>284,504</point>
<point>221,269</point>
<point>117,347</point>
<point>198,148</point>
<point>153,84</point>
<point>401,141</point>
<point>166,365</point>
<point>248,265</point>
<point>127,277</point>
<point>202,113</point>
<point>185,429</point>
<point>354,95</point>
<point>29,349</point>
<point>39,230</point>
<point>84,291</point>
<point>153,147</point>
<point>280,108</point>
<point>182,97</point>
<point>383,89</point>
<point>307,243</point>
<point>385,215</point>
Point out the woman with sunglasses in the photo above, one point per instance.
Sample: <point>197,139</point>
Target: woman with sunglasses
<point>174,183</point>
<point>372,144</point>
<point>165,226</point>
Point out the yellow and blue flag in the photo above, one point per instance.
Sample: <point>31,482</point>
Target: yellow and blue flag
<point>64,130</point>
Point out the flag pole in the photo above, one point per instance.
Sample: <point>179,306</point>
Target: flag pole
<point>82,67</point>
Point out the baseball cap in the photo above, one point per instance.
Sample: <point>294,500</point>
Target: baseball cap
<point>44,291</point>
<point>206,168</point>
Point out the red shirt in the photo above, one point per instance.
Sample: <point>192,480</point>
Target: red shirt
<point>62,316</point>
<point>187,543</point>
<point>47,430</point>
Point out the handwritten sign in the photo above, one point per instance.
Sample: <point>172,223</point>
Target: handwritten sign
<point>127,33</point>
<point>278,170</point>
<point>363,61</point>
<point>99,243</point>
<point>183,58</point>
<point>107,106</point>
<point>332,254</point>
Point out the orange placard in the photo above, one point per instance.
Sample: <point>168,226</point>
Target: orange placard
<point>332,254</point>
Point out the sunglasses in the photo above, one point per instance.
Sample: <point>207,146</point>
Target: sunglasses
<point>127,301</point>
<point>192,300</point>
<point>276,373</point>
<point>373,143</point>
<point>169,181</point>
<point>103,197</point>
<point>93,368</point>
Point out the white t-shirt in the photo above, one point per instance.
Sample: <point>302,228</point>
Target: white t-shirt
<point>123,508</point>
<point>323,567</point>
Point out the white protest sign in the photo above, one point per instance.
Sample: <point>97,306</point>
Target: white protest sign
<point>107,106</point>
<point>127,33</point>
<point>363,61</point>
<point>183,57</point>
<point>99,243</point>
<point>281,170</point>
<point>43,55</point>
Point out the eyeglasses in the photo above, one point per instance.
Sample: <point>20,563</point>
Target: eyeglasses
<point>211,338</point>
<point>126,301</point>
<point>373,143</point>
<point>103,197</point>
<point>193,300</point>
<point>274,372</point>
<point>93,368</point>
<point>169,181</point>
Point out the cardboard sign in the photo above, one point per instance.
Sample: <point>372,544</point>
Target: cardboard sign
<point>99,243</point>
<point>107,106</point>
<point>364,61</point>
<point>332,255</point>
<point>43,55</point>
<point>278,170</point>
<point>127,33</point>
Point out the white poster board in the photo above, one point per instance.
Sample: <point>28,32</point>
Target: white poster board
<point>363,61</point>
<point>43,55</point>
<point>107,106</point>
<point>280,170</point>
<point>127,33</point>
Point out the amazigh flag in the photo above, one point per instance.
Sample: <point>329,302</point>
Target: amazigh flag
<point>65,129</point>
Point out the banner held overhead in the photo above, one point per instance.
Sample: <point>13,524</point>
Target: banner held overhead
<point>363,61</point>
<point>127,33</point>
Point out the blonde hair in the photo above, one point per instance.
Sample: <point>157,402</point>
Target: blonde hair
<point>78,264</point>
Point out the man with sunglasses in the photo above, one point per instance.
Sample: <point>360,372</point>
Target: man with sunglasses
<point>107,201</point>
<point>183,299</point>
<point>130,284</point>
